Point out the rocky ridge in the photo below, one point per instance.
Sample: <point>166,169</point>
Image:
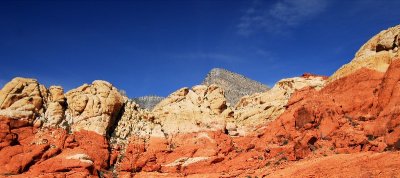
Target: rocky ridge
<point>301,125</point>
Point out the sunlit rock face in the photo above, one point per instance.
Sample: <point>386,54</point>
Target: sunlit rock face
<point>192,110</point>
<point>22,98</point>
<point>376,54</point>
<point>93,107</point>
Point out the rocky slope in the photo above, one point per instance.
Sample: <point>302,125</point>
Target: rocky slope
<point>234,85</point>
<point>307,126</point>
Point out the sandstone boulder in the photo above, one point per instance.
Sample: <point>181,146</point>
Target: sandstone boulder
<point>193,110</point>
<point>93,107</point>
<point>22,98</point>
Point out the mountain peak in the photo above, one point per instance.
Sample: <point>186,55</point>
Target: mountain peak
<point>235,85</point>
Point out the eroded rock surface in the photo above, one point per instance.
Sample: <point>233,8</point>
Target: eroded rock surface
<point>192,110</point>
<point>55,107</point>
<point>30,152</point>
<point>135,122</point>
<point>93,107</point>
<point>22,98</point>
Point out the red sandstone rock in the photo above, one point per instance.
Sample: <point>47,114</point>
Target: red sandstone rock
<point>51,153</point>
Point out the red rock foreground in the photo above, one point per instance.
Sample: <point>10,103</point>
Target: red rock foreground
<point>50,153</point>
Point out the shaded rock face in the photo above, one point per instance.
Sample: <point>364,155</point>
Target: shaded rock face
<point>148,102</point>
<point>376,54</point>
<point>234,85</point>
<point>93,107</point>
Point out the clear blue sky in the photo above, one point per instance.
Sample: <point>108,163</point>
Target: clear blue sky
<point>155,47</point>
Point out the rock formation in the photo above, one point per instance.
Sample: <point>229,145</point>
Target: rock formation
<point>258,109</point>
<point>376,54</point>
<point>22,98</point>
<point>55,107</point>
<point>234,85</point>
<point>302,127</point>
<point>93,107</point>
<point>201,108</point>
<point>148,102</point>
<point>135,122</point>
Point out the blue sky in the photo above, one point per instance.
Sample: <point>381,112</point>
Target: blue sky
<point>157,47</point>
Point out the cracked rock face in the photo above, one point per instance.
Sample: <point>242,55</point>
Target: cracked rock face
<point>55,111</point>
<point>22,98</point>
<point>135,122</point>
<point>376,54</point>
<point>93,107</point>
